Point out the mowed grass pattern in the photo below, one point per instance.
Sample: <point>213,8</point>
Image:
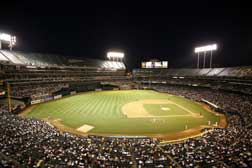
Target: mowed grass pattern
<point>103,111</point>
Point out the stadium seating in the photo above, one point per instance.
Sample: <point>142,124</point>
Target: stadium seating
<point>26,72</point>
<point>42,60</point>
<point>3,58</point>
<point>27,142</point>
<point>11,57</point>
<point>207,72</point>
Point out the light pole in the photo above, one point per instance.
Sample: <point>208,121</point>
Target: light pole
<point>7,38</point>
<point>205,49</point>
<point>115,57</point>
<point>204,62</point>
<point>198,61</point>
<point>211,58</point>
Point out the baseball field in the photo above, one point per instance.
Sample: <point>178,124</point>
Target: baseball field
<point>130,112</point>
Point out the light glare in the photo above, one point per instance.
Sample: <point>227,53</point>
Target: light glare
<point>205,48</point>
<point>5,37</point>
<point>115,55</point>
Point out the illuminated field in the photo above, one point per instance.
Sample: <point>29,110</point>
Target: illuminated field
<point>133,112</point>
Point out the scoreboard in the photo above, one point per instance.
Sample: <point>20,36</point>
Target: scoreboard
<point>155,64</point>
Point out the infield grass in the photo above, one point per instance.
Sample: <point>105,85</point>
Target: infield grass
<point>164,109</point>
<point>102,110</point>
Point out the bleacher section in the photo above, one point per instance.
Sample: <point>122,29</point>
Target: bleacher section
<point>239,72</point>
<point>235,79</point>
<point>11,57</point>
<point>49,60</point>
<point>35,59</point>
<point>3,58</point>
<point>98,63</point>
<point>113,65</point>
<point>35,75</point>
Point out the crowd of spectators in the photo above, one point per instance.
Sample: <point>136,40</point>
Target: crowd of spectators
<point>27,142</point>
<point>220,147</point>
<point>37,91</point>
<point>229,147</point>
<point>228,101</point>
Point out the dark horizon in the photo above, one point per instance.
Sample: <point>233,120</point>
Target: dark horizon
<point>142,31</point>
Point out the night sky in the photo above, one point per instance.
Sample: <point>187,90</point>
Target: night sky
<point>167,31</point>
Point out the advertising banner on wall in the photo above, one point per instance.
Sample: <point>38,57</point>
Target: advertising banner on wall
<point>48,98</point>
<point>36,101</point>
<point>72,92</point>
<point>57,97</point>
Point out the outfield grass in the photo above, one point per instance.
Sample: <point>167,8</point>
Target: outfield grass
<point>103,111</point>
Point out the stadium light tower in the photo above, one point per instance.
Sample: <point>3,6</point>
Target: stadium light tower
<point>7,38</point>
<point>205,49</point>
<point>118,56</point>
